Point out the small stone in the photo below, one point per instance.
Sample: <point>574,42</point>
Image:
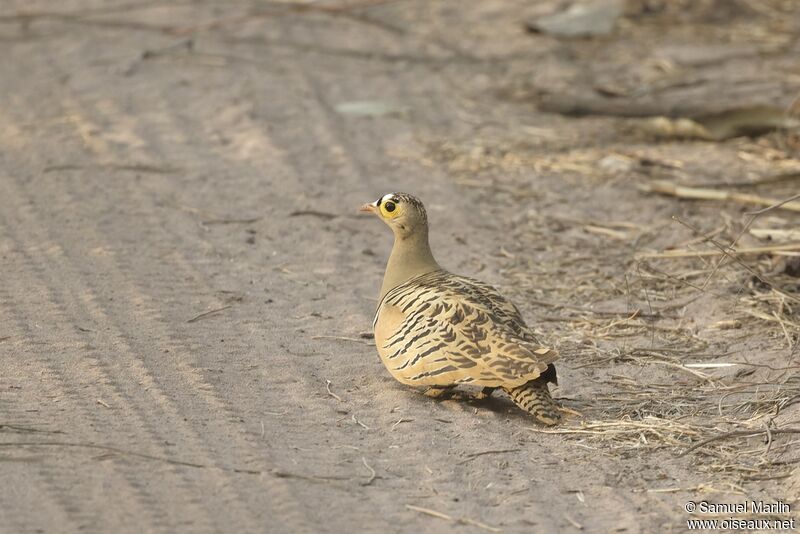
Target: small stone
<point>581,19</point>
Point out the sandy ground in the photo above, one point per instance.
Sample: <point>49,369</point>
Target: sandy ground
<point>186,290</point>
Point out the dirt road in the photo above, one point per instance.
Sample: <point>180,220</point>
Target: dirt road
<point>186,287</point>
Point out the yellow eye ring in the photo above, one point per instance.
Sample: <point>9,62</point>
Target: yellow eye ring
<point>390,209</point>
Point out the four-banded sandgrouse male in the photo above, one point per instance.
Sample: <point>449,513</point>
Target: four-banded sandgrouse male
<point>434,328</point>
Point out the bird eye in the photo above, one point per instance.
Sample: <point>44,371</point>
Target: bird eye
<point>389,206</point>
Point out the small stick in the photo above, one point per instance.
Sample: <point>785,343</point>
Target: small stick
<point>704,253</point>
<point>569,411</point>
<point>573,522</point>
<point>739,433</point>
<point>101,403</point>
<point>474,455</point>
<point>401,420</point>
<point>733,243</point>
<point>371,470</point>
<point>671,490</point>
<point>356,421</point>
<point>769,440</point>
<point>428,511</point>
<point>759,276</point>
<point>699,193</point>
<point>615,234</point>
<point>206,314</point>
<point>478,524</point>
<point>777,234</point>
<point>775,178</point>
<point>698,374</point>
<point>331,393</point>
<point>440,515</point>
<point>590,310</point>
<point>774,206</point>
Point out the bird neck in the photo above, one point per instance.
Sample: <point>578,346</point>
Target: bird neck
<point>411,257</point>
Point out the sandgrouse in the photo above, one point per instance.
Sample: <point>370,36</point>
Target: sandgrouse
<point>437,329</point>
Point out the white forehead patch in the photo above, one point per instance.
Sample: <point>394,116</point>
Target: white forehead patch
<point>384,198</point>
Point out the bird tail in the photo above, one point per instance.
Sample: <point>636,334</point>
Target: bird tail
<point>534,397</point>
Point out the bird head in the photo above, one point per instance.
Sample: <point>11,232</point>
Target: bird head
<point>403,213</point>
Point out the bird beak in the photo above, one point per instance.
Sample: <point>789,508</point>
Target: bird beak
<point>370,207</point>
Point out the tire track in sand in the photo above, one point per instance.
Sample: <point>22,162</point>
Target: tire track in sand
<point>30,398</point>
<point>87,376</point>
<point>159,373</point>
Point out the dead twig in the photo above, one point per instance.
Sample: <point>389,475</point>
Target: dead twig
<point>772,179</point>
<point>738,261</point>
<point>401,420</point>
<point>206,314</point>
<point>779,204</point>
<point>474,455</point>
<point>371,470</point>
<point>428,511</point>
<point>776,234</point>
<point>699,193</point>
<point>768,430</point>
<point>356,421</point>
<point>739,433</point>
<point>573,522</point>
<point>331,393</point>
<point>440,515</point>
<point>586,309</point>
<point>705,253</point>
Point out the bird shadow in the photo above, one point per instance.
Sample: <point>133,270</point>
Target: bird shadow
<point>498,403</point>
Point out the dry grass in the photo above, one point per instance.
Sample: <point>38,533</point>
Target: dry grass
<point>690,353</point>
<point>714,363</point>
